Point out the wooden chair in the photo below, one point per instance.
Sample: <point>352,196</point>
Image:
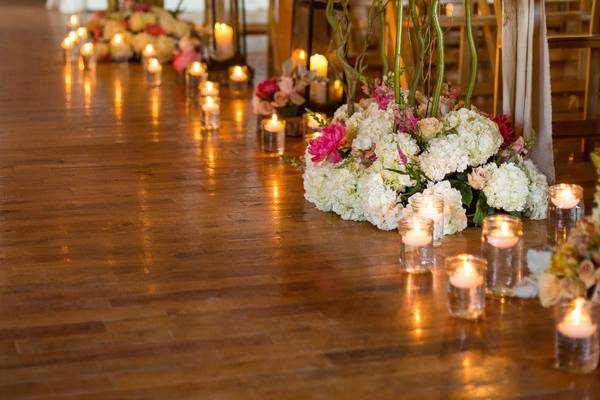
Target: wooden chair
<point>575,139</point>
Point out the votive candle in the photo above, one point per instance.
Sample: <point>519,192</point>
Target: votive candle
<point>82,34</point>
<point>565,209</point>
<point>318,92</point>
<point>238,79</point>
<point>119,50</point>
<point>209,88</point>
<point>416,250</point>
<point>73,23</point>
<point>223,35</point>
<point>319,65</point>
<point>211,114</point>
<point>148,53</point>
<point>195,74</point>
<point>466,286</point>
<point>431,206</point>
<point>154,72</point>
<point>88,56</point>
<point>299,57</point>
<point>68,47</point>
<point>273,135</point>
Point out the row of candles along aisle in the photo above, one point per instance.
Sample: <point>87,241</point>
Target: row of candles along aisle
<point>500,267</point>
<point>322,91</point>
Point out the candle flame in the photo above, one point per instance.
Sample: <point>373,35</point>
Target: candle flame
<point>468,270</point>
<point>337,84</point>
<point>237,70</point>
<point>274,118</point>
<point>118,38</point>
<point>87,49</point>
<point>66,43</point>
<point>504,228</point>
<point>82,32</point>
<point>73,36</point>
<point>577,314</point>
<point>196,67</point>
<point>149,50</point>
<point>302,55</point>
<point>73,20</point>
<point>209,101</point>
<point>154,65</point>
<point>221,26</point>
<point>209,86</point>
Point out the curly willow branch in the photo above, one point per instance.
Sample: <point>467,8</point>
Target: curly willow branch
<point>473,50</point>
<point>437,91</point>
<point>418,75</point>
<point>397,66</point>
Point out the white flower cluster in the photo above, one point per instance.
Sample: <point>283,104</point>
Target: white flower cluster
<point>443,156</point>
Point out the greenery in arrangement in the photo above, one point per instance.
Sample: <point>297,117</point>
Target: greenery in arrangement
<point>390,145</point>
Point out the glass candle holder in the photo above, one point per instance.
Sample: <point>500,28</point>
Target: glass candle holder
<point>73,23</point>
<point>416,249</point>
<point>148,53</point>
<point>502,247</point>
<point>576,341</point>
<point>209,88</point>
<point>311,126</point>
<point>273,135</point>
<point>154,72</point>
<point>194,75</point>
<point>432,207</point>
<point>336,92</point>
<point>238,79</point>
<point>69,52</point>
<point>119,49</point>
<point>82,34</point>
<point>211,113</point>
<point>88,56</point>
<point>564,210</point>
<point>466,286</point>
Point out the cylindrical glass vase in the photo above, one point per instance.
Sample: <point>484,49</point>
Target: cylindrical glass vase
<point>576,341</point>
<point>273,136</point>
<point>565,209</point>
<point>431,206</point>
<point>416,248</point>
<point>211,114</point>
<point>502,248</point>
<point>466,286</point>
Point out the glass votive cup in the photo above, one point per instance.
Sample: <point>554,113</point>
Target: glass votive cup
<point>576,346</point>
<point>502,248</point>
<point>69,50</point>
<point>318,92</point>
<point>209,88</point>
<point>311,125</point>
<point>211,113</point>
<point>238,79</point>
<point>416,244</point>
<point>565,209</point>
<point>194,75</point>
<point>273,135</point>
<point>431,206</point>
<point>154,72</point>
<point>466,286</point>
<point>88,56</point>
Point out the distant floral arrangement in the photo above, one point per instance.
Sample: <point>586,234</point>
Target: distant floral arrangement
<point>174,40</point>
<point>285,93</point>
<point>371,165</point>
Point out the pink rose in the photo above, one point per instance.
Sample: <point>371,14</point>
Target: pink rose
<point>155,30</point>
<point>332,139</point>
<point>286,85</point>
<point>266,89</point>
<point>265,108</point>
<point>280,99</point>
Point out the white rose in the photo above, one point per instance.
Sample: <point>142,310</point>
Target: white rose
<point>139,20</point>
<point>479,177</point>
<point>549,289</point>
<point>140,41</point>
<point>165,47</point>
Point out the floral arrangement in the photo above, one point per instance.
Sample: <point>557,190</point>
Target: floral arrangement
<point>174,40</point>
<point>378,155</point>
<point>373,164</point>
<point>574,267</point>
<point>285,93</point>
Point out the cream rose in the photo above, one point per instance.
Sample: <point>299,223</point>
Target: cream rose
<point>429,128</point>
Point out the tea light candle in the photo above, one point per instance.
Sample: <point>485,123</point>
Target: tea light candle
<point>565,198</point>
<point>577,323</point>
<point>273,135</point>
<point>119,50</point>
<point>223,35</point>
<point>209,88</point>
<point>73,36</point>
<point>82,33</point>
<point>197,69</point>
<point>73,23</point>
<point>238,79</point>
<point>148,53</point>
<point>88,56</point>
<point>196,73</point>
<point>211,113</point>
<point>153,72</point>
<point>299,57</point>
<point>68,49</point>
<point>416,237</point>
<point>466,277</point>
<point>274,124</point>
<point>503,238</point>
<point>336,92</point>
<point>318,64</point>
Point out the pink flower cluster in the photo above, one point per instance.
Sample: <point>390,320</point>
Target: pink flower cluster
<point>278,92</point>
<point>328,145</point>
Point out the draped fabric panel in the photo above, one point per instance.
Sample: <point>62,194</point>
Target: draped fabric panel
<point>526,77</point>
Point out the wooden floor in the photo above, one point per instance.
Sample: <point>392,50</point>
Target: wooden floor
<point>141,258</point>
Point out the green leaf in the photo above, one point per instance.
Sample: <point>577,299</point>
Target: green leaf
<point>481,210</point>
<point>465,191</point>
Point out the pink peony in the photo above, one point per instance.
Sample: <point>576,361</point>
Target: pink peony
<point>280,99</point>
<point>332,139</point>
<point>184,58</point>
<point>266,89</point>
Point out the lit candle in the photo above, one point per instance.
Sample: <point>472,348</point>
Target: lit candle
<point>196,73</point>
<point>68,49</point>
<point>209,88</point>
<point>73,36</point>
<point>466,277</point>
<point>432,207</point>
<point>82,33</point>
<point>336,92</point>
<point>503,238</point>
<point>577,323</point>
<point>238,79</point>
<point>273,135</point>
<point>119,50</point>
<point>148,53</point>
<point>197,69</point>
<point>211,113</point>
<point>73,23</point>
<point>153,72</point>
<point>416,237</point>
<point>223,35</point>
<point>318,92</point>
<point>299,57</point>
<point>318,64</point>
<point>565,198</point>
<point>87,56</point>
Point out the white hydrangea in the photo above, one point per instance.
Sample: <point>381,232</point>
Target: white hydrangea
<point>508,188</point>
<point>455,216</point>
<point>537,201</point>
<point>443,156</point>
<point>316,184</point>
<point>371,124</point>
<point>344,195</point>
<point>479,136</point>
<point>386,151</point>
<point>379,202</point>
<point>341,114</point>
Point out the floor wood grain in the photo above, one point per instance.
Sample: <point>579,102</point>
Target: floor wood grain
<point>141,258</point>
